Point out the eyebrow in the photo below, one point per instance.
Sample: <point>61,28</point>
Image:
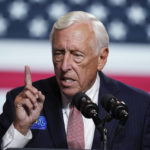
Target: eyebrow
<point>72,50</point>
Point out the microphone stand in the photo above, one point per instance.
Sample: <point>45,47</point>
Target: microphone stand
<point>100,125</point>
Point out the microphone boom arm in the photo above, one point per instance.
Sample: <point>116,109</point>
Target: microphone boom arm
<point>100,125</point>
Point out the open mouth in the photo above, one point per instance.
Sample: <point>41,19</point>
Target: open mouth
<point>67,81</point>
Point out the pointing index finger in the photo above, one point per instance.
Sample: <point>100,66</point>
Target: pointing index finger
<point>28,80</point>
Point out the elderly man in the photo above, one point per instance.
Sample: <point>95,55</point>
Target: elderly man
<point>39,114</point>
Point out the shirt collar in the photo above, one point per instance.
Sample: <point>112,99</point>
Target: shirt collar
<point>92,93</point>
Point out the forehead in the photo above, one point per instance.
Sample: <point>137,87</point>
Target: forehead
<point>78,31</point>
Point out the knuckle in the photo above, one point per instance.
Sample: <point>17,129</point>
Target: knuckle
<point>27,87</point>
<point>26,93</point>
<point>35,91</point>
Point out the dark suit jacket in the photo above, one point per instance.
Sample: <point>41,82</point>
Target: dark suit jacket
<point>134,136</point>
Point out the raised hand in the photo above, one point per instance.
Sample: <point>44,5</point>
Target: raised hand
<point>28,105</point>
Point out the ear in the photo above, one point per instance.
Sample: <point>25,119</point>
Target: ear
<point>102,58</point>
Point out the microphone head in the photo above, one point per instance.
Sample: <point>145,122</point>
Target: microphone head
<point>77,98</point>
<point>85,105</point>
<point>118,109</point>
<point>107,100</point>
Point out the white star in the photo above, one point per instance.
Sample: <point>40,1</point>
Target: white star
<point>57,9</point>
<point>117,30</point>
<point>18,10</point>
<point>78,1</point>
<point>99,11</point>
<point>38,27</point>
<point>3,25</point>
<point>148,31</point>
<point>136,14</point>
<point>117,2</point>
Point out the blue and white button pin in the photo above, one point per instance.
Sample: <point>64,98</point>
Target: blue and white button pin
<point>40,124</point>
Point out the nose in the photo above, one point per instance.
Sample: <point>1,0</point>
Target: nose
<point>66,63</point>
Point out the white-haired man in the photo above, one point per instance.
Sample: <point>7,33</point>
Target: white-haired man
<point>37,115</point>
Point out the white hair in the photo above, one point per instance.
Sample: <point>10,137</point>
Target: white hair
<point>70,18</point>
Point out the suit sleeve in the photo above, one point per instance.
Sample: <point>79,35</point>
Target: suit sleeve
<point>146,133</point>
<point>7,117</point>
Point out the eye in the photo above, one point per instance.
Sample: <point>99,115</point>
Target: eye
<point>78,57</point>
<point>58,55</point>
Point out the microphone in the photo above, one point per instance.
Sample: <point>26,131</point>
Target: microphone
<point>85,105</point>
<point>118,109</point>
<point>90,110</point>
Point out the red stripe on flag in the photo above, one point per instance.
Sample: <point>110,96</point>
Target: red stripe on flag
<point>15,79</point>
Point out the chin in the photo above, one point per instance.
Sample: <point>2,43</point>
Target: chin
<point>69,92</point>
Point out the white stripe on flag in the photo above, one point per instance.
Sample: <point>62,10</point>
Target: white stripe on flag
<point>2,97</point>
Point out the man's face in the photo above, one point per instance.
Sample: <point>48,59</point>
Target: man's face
<point>75,62</point>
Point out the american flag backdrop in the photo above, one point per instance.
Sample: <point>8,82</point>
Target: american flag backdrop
<point>24,39</point>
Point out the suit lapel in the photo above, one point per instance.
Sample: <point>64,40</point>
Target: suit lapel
<point>107,86</point>
<point>55,123</point>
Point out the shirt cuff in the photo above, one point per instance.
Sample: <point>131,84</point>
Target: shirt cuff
<point>14,139</point>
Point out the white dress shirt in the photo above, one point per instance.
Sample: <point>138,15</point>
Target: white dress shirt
<point>14,139</point>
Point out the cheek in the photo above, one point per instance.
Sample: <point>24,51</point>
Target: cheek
<point>57,65</point>
<point>87,71</point>
<point>57,68</point>
<point>89,67</point>
<point>81,73</point>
